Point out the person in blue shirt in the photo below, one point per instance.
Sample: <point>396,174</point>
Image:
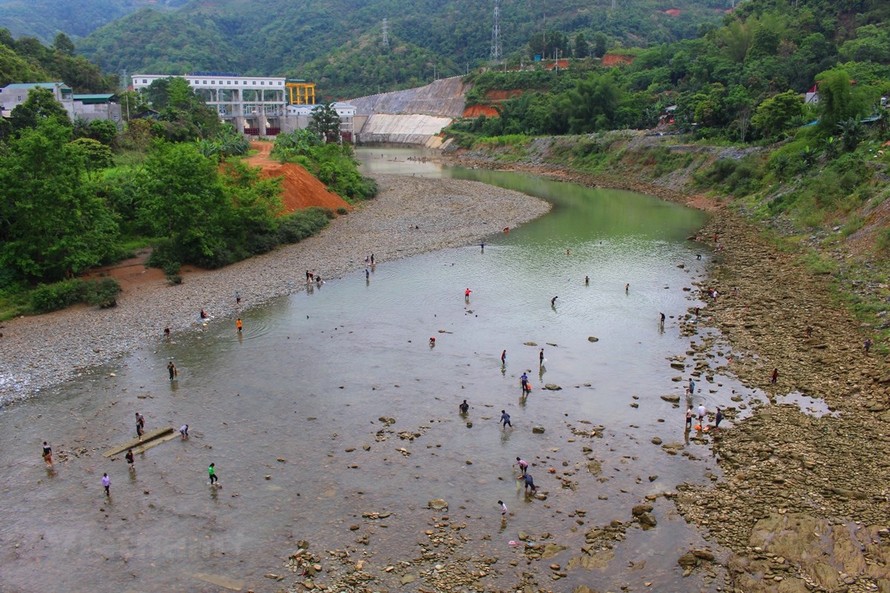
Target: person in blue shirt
<point>505,419</point>
<point>530,483</point>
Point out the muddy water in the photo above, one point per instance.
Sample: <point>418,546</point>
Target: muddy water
<point>290,411</point>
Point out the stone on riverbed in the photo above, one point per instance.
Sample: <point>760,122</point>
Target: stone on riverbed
<point>437,504</point>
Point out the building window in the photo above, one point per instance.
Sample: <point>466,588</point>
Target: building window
<point>262,82</point>
<point>254,83</point>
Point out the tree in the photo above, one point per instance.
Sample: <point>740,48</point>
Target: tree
<point>187,205</point>
<point>63,44</point>
<point>325,122</point>
<point>93,154</point>
<point>581,46</point>
<point>777,114</point>
<point>599,44</point>
<point>837,100</point>
<point>50,225</point>
<point>872,44</point>
<point>591,105</point>
<point>183,114</point>
<point>41,104</point>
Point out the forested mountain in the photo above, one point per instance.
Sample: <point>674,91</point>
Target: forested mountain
<point>45,18</point>
<point>426,37</point>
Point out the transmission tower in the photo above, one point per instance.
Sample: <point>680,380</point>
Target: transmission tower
<point>496,53</point>
<point>385,34</point>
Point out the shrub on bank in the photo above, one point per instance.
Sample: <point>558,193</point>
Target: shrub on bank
<point>59,295</point>
<point>302,224</point>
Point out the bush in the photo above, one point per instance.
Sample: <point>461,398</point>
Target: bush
<point>739,177</point>
<point>102,293</point>
<point>53,297</point>
<point>302,224</point>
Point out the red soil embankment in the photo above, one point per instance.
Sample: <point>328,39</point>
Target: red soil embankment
<point>491,98</point>
<point>299,188</point>
<point>617,60</point>
<point>479,110</point>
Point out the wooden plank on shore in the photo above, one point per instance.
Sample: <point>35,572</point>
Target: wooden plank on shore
<point>147,437</point>
<point>145,446</point>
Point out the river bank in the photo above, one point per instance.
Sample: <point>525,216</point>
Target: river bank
<point>409,216</point>
<point>803,503</point>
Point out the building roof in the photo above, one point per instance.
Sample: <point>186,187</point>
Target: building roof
<point>31,85</point>
<point>94,99</point>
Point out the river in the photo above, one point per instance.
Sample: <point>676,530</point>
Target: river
<point>290,413</point>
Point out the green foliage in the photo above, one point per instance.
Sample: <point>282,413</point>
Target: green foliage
<point>101,130</point>
<point>93,153</point>
<point>325,122</point>
<point>44,18</point>
<point>340,48</point>
<point>17,68</point>
<point>777,114</point>
<point>740,177</point>
<point>59,295</point>
<point>792,159</point>
<point>871,44</point>
<point>301,224</point>
<point>838,100</point>
<point>333,164</point>
<point>27,60</point>
<point>183,114</point>
<point>102,293</point>
<point>186,203</point>
<point>225,143</point>
<point>50,226</point>
<point>53,297</point>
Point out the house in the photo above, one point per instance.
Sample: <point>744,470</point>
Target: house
<point>13,95</point>
<point>86,107</point>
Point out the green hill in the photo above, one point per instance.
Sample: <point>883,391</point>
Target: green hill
<point>298,37</point>
<point>43,19</point>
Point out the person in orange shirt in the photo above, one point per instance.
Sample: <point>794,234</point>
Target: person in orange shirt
<point>239,325</point>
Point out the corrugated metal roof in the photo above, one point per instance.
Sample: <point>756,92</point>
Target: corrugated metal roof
<point>97,98</point>
<point>31,85</point>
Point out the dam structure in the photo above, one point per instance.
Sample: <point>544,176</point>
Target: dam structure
<point>413,116</point>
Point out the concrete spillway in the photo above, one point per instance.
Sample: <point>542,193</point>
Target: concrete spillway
<point>412,116</point>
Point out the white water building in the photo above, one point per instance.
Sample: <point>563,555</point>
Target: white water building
<point>255,105</point>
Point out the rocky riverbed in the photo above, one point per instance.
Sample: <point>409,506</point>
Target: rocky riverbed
<point>804,499</point>
<point>409,216</point>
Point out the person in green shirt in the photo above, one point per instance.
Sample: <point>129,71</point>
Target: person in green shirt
<point>211,471</point>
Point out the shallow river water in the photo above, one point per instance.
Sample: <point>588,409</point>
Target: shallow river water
<point>287,410</point>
